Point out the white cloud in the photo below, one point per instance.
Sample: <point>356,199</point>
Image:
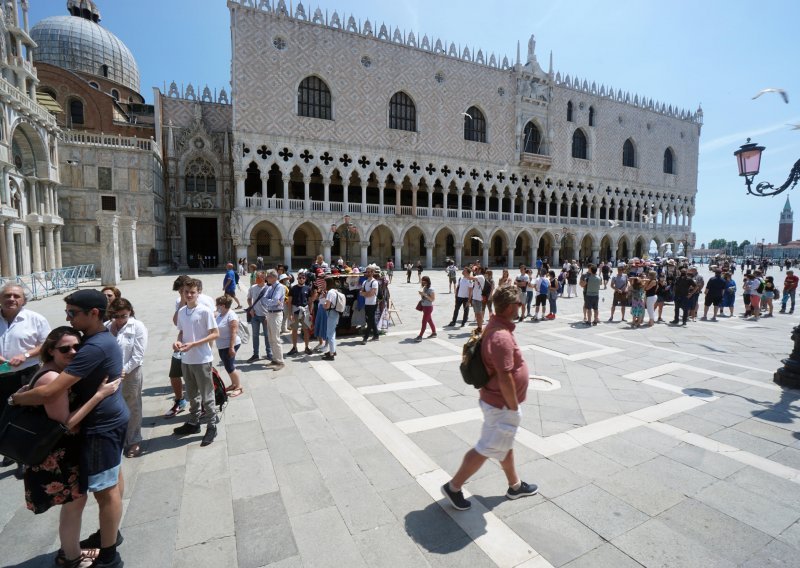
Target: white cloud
<point>730,139</point>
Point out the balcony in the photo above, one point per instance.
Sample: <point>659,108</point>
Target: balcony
<point>22,102</point>
<point>537,161</point>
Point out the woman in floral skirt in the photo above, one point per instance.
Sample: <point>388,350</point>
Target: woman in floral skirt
<point>55,480</point>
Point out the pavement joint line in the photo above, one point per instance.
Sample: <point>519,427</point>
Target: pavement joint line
<point>439,420</point>
<point>418,380</point>
<point>667,368</point>
<point>496,539</point>
<point>742,456</point>
<point>683,353</point>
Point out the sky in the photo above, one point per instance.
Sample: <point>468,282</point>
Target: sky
<point>684,52</point>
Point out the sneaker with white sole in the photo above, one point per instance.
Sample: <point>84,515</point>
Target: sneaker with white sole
<point>525,490</point>
<point>456,498</point>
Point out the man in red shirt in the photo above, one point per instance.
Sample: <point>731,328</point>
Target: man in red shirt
<point>500,402</point>
<point>789,289</point>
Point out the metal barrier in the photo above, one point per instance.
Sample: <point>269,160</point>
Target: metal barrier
<point>42,284</point>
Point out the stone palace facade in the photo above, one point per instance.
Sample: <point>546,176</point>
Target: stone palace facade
<point>432,151</point>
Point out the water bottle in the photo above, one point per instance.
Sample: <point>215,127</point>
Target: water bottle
<point>5,367</point>
<point>177,355</point>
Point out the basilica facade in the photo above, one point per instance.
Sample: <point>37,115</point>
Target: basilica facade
<point>30,220</point>
<point>343,138</point>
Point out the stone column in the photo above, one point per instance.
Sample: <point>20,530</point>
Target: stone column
<point>11,251</point>
<point>524,206</point>
<point>3,251</point>
<point>460,200</point>
<point>345,197</point>
<point>430,202</point>
<point>50,246</point>
<point>364,251</point>
<point>486,197</point>
<point>109,251</point>
<point>128,252</point>
<point>555,261</point>
<point>36,248</point>
<point>397,189</point>
<point>287,253</point>
<point>474,193</point>
<point>34,200</point>
<point>57,236</point>
<point>263,191</point>
<point>445,193</point>
<point>414,191</point>
<point>534,253</point>
<point>398,255</point>
<point>485,261</point>
<point>307,194</point>
<point>326,250</point>
<point>429,256</point>
<point>240,199</point>
<point>458,247</point>
<point>364,196</point>
<point>510,260</point>
<point>595,254</point>
<point>5,195</point>
<point>326,198</point>
<point>285,192</point>
<point>381,187</point>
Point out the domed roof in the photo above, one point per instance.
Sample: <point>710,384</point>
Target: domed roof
<point>79,43</point>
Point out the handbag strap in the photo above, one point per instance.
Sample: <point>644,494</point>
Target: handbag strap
<point>37,376</point>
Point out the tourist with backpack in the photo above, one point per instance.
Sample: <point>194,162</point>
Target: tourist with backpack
<point>334,306</point>
<point>500,400</point>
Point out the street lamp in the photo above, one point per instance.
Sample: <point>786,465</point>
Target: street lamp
<point>347,229</point>
<point>748,158</point>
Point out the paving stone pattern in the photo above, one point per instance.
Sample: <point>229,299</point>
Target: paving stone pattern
<point>640,462</point>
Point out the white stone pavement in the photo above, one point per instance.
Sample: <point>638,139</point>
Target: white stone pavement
<point>654,447</point>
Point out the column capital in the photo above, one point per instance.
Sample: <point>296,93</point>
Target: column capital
<point>397,244</point>
<point>458,246</point>
<point>306,179</point>
<point>429,245</point>
<point>287,243</point>
<point>365,244</point>
<point>327,243</point>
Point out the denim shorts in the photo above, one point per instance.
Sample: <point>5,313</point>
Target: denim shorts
<point>227,361</point>
<point>101,456</point>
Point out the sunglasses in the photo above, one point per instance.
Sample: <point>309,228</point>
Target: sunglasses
<point>73,313</point>
<point>67,348</point>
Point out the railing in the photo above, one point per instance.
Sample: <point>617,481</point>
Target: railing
<point>480,214</point>
<point>297,204</point>
<point>42,284</point>
<point>336,206</point>
<point>25,102</point>
<point>274,203</point>
<point>493,215</point>
<point>438,212</point>
<point>373,209</point>
<point>79,138</point>
<point>405,210</point>
<point>354,207</point>
<point>389,209</point>
<point>317,205</point>
<point>452,213</point>
<point>253,201</point>
<point>466,214</point>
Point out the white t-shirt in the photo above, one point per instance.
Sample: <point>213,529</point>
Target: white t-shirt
<point>224,325</point>
<point>26,331</point>
<point>332,297</point>
<point>522,281</point>
<point>194,324</point>
<point>477,287</point>
<point>464,286</point>
<point>368,285</point>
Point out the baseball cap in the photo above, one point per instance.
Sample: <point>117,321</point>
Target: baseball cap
<point>88,299</point>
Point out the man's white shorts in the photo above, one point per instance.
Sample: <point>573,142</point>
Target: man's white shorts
<point>499,428</point>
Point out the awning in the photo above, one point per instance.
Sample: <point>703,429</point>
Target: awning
<point>48,102</point>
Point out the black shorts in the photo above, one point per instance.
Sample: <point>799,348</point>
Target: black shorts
<point>175,368</point>
<point>713,299</point>
<point>541,300</point>
<point>621,299</point>
<point>590,302</point>
<point>101,453</point>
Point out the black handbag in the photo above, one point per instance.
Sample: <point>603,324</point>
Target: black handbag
<point>27,434</point>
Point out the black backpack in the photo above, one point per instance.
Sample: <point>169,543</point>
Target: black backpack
<point>487,288</point>
<point>220,394</point>
<point>473,371</point>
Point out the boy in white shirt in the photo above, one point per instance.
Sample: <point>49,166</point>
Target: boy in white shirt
<point>197,329</point>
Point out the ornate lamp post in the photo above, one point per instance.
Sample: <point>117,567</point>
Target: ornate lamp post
<point>748,158</point>
<point>347,229</point>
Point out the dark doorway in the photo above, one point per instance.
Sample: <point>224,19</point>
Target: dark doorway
<point>201,242</point>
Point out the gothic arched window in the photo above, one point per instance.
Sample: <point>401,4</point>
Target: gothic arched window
<point>569,111</point>
<point>579,145</point>
<point>628,154</point>
<point>591,116</point>
<point>669,162</point>
<point>200,177</point>
<point>75,112</point>
<point>402,112</point>
<point>474,125</point>
<point>533,139</point>
<point>314,98</point>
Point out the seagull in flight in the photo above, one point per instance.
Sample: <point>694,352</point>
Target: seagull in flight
<point>613,223</point>
<point>781,92</point>
<point>480,240</point>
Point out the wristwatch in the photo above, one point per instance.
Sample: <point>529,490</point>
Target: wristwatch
<point>27,355</point>
<point>10,400</point>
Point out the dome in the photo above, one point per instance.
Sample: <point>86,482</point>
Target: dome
<point>79,44</point>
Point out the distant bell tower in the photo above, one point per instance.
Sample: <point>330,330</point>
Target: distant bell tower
<point>785,227</point>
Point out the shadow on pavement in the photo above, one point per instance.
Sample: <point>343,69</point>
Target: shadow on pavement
<point>436,532</point>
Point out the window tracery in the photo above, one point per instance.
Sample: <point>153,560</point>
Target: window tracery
<point>200,177</point>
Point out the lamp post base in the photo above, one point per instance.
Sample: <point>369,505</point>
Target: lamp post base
<point>789,375</point>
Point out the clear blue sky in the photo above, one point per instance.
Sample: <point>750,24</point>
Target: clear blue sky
<point>718,53</point>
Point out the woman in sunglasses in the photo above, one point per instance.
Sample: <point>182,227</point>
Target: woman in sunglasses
<point>131,336</point>
<point>55,480</point>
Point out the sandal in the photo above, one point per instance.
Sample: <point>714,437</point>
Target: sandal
<point>89,554</point>
<point>134,451</point>
<point>233,393</point>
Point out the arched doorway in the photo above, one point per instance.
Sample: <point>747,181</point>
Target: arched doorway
<point>605,249</point>
<point>623,249</point>
<point>523,245</point>
<point>544,250</point>
<point>414,245</point>
<point>473,246</point>
<point>444,247</point>
<point>307,245</point>
<point>498,251</point>
<point>265,242</point>
<point>380,245</point>
<point>585,255</point>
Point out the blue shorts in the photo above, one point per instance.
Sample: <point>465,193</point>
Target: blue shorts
<point>101,456</point>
